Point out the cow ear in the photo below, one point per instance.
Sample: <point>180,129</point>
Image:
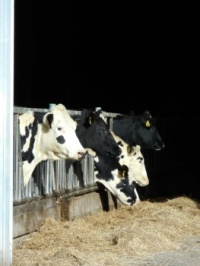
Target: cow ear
<point>123,172</point>
<point>147,114</point>
<point>48,119</point>
<point>89,120</point>
<point>138,147</point>
<point>85,113</point>
<point>146,119</point>
<point>98,113</point>
<point>147,124</point>
<point>129,149</point>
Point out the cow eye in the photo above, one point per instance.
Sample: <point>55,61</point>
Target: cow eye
<point>59,128</point>
<point>105,131</point>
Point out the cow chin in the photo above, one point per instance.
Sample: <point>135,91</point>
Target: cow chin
<point>69,156</point>
<point>156,147</point>
<point>77,156</point>
<point>141,184</point>
<point>159,148</point>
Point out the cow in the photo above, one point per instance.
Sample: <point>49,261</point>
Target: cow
<point>132,157</point>
<point>138,130</point>
<point>113,158</point>
<point>93,132</point>
<point>120,174</point>
<point>49,135</point>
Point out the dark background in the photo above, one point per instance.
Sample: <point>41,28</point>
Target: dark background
<point>119,56</point>
<point>122,57</point>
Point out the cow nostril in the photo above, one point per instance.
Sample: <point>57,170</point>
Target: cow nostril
<point>81,155</point>
<point>163,145</point>
<point>119,152</point>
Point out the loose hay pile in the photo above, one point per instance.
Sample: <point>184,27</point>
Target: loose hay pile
<point>114,237</point>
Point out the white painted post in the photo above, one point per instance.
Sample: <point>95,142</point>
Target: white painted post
<point>6,129</point>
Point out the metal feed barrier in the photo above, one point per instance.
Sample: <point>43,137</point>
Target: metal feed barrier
<point>50,178</point>
<point>54,185</point>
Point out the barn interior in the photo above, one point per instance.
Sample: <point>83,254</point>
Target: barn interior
<point>124,60</point>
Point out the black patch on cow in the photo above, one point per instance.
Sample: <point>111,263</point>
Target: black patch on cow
<point>127,189</point>
<point>39,117</point>
<point>61,139</point>
<point>23,138</point>
<point>50,119</point>
<point>31,129</point>
<point>140,159</point>
<point>119,143</point>
<point>105,166</point>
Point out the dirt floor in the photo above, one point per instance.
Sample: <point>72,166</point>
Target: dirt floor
<point>151,233</point>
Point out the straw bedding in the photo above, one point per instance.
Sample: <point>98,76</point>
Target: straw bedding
<point>112,238</point>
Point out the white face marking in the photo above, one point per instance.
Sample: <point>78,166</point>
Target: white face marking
<point>137,169</point>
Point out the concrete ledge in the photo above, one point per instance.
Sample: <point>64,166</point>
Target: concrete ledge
<point>28,217</point>
<point>76,207</point>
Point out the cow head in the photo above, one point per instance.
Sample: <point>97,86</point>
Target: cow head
<point>46,136</point>
<point>138,130</point>
<point>147,134</point>
<point>137,168</point>
<point>59,136</point>
<point>94,133</point>
<point>132,157</point>
<point>114,177</point>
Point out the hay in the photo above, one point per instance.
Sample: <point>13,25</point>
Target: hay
<point>112,238</point>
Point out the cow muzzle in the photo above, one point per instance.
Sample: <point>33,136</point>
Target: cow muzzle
<point>81,155</point>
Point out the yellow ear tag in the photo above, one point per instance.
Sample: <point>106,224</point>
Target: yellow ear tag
<point>147,123</point>
<point>123,173</point>
<point>90,120</point>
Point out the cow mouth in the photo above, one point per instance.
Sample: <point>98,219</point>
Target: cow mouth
<point>81,155</point>
<point>160,147</point>
<point>140,184</point>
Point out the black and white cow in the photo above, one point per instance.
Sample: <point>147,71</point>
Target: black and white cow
<point>49,135</point>
<point>111,156</point>
<point>138,130</point>
<point>120,174</point>
<point>93,132</point>
<point>114,176</point>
